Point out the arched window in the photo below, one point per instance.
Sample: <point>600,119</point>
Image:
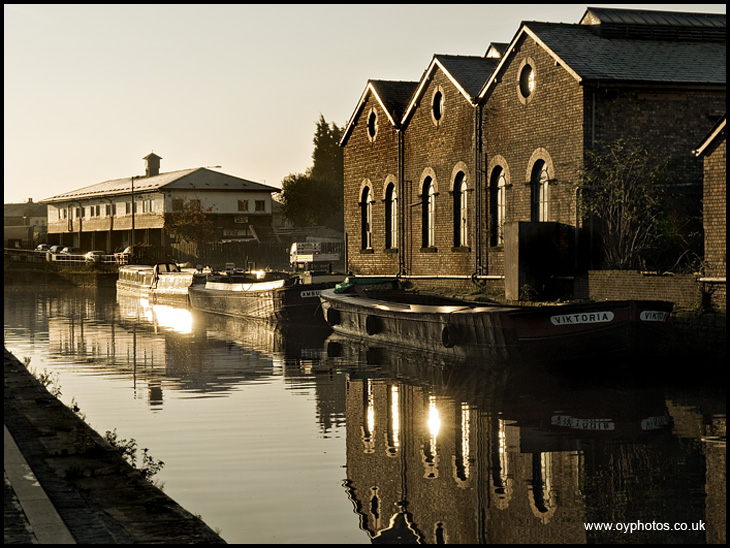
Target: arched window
<point>428,213</point>
<point>499,205</point>
<point>461,217</point>
<point>540,190</point>
<point>367,218</point>
<point>391,217</point>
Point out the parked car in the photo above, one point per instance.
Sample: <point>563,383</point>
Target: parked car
<point>55,248</point>
<point>95,256</point>
<point>71,251</point>
<point>42,247</point>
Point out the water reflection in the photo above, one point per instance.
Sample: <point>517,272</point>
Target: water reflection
<point>521,455</point>
<point>433,451</point>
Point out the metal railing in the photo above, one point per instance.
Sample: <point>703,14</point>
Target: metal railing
<point>32,256</point>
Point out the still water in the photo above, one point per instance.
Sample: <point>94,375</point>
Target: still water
<point>298,436</point>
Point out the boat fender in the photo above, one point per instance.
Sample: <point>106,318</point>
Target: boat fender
<point>373,325</point>
<point>333,317</point>
<point>449,336</point>
<point>334,350</point>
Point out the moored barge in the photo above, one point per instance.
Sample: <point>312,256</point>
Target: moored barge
<point>268,296</point>
<point>466,329</point>
<point>159,283</point>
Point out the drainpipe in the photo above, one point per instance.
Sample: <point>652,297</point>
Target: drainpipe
<point>478,189</point>
<point>401,205</point>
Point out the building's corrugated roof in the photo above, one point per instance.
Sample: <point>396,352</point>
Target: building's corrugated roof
<point>593,57</point>
<point>196,178</point>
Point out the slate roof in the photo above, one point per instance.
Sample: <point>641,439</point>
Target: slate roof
<point>588,56</point>
<point>468,73</point>
<point>496,50</point>
<point>593,57</point>
<point>393,96</point>
<point>651,18</point>
<point>199,179</point>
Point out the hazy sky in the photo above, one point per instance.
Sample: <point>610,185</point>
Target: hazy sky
<point>92,89</point>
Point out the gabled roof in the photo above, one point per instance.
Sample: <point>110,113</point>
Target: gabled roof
<point>393,96</point>
<point>496,50</point>
<point>717,132</point>
<point>467,73</point>
<point>199,178</point>
<point>588,56</point>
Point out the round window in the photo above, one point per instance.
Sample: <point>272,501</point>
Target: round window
<point>527,80</point>
<point>372,124</point>
<point>437,106</point>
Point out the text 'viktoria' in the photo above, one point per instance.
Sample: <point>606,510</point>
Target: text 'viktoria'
<point>586,317</point>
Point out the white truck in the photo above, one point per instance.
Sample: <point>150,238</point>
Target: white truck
<point>309,255</point>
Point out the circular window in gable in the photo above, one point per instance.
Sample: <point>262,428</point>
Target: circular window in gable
<point>526,80</point>
<point>372,124</point>
<point>437,105</point>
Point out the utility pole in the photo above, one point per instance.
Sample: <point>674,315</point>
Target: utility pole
<point>134,206</point>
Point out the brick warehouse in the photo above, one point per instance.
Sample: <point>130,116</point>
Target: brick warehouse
<point>463,175</point>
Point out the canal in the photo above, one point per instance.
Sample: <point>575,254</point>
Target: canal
<point>297,436</point>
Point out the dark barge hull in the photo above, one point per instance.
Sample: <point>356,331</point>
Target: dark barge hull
<point>467,330</point>
<point>267,301</point>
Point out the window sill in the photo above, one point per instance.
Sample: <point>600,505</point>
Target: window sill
<point>367,251</point>
<point>428,250</point>
<point>391,250</point>
<point>461,249</point>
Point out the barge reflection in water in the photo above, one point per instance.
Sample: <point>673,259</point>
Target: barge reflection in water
<point>356,443</point>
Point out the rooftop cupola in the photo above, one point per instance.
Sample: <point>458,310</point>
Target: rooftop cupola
<point>152,166</point>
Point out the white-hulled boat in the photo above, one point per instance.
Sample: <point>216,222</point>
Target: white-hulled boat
<point>161,282</point>
<point>268,296</point>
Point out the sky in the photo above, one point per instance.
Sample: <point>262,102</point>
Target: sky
<point>92,89</point>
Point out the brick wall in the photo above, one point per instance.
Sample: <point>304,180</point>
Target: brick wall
<point>373,161</point>
<point>715,210</point>
<point>518,131</point>
<point>715,223</point>
<point>437,149</point>
<point>554,123</point>
<point>683,290</point>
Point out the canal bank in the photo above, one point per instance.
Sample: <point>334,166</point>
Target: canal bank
<point>62,465</point>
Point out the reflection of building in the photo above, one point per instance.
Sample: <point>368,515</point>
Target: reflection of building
<point>157,346</point>
<point>467,460</point>
<point>102,216</point>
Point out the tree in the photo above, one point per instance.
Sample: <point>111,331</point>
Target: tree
<point>629,191</point>
<point>315,198</point>
<point>190,222</point>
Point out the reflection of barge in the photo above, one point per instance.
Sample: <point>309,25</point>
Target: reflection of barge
<point>161,282</point>
<point>269,296</point>
<point>466,329</point>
